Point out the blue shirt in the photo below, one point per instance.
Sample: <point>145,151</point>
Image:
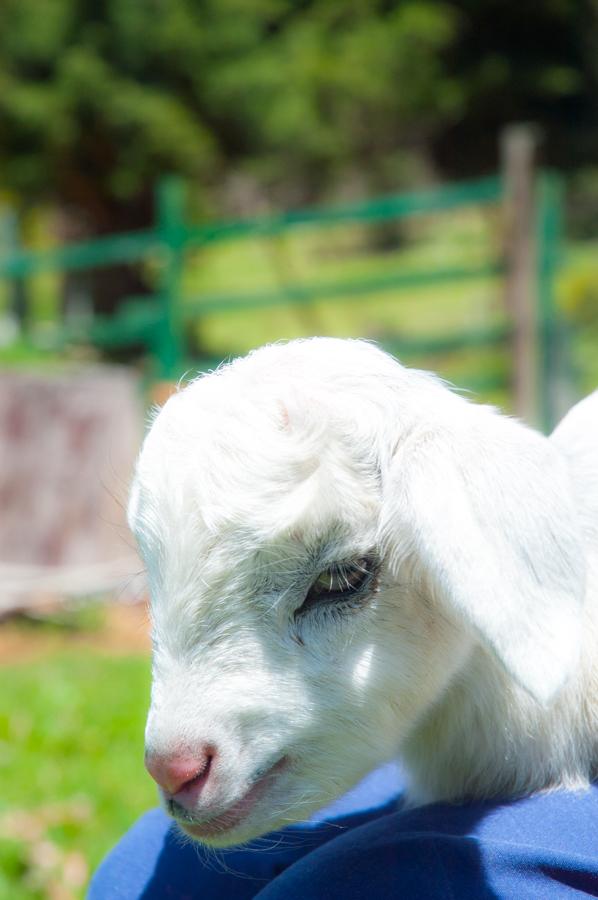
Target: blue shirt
<point>366,845</point>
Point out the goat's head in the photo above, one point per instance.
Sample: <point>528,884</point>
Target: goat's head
<point>327,536</point>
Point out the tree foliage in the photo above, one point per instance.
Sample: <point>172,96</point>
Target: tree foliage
<point>98,97</point>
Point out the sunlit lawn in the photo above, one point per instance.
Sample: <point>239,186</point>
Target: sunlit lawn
<point>72,778</point>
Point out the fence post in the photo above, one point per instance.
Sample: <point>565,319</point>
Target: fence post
<point>10,242</point>
<point>555,394</point>
<point>170,206</point>
<point>518,144</point>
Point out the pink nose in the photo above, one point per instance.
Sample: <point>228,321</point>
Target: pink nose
<point>176,771</point>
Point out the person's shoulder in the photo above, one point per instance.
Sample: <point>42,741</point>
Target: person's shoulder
<point>540,846</point>
<point>129,866</point>
<point>535,820</point>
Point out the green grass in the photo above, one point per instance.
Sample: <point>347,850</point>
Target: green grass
<point>71,763</point>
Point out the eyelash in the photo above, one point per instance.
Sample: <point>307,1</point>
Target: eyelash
<point>363,569</point>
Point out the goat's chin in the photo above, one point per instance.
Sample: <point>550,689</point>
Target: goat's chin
<point>292,801</point>
<point>255,825</point>
<point>242,833</point>
<point>280,805</point>
<point>267,806</point>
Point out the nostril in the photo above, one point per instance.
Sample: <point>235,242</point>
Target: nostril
<point>174,772</point>
<point>201,775</point>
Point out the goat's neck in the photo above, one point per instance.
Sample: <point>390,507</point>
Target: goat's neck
<point>486,737</point>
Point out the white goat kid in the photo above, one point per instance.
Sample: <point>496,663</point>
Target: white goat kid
<point>348,561</point>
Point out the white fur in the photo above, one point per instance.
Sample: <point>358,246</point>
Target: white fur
<point>476,658</point>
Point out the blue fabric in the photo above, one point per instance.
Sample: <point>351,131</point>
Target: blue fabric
<point>366,846</point>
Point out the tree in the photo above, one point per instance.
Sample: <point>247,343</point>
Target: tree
<point>523,61</point>
<point>294,98</point>
<point>97,99</point>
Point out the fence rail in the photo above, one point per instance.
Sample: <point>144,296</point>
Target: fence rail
<point>159,320</point>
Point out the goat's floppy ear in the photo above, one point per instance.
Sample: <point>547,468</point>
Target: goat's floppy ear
<point>486,516</point>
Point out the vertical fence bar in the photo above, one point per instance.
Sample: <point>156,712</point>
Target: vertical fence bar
<point>10,243</point>
<point>170,204</point>
<point>518,147</point>
<point>552,376</point>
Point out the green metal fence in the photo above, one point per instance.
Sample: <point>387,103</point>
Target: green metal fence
<point>159,320</point>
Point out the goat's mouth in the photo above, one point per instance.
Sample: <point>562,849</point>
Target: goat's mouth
<point>234,815</point>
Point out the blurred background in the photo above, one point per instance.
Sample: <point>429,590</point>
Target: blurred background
<point>183,180</point>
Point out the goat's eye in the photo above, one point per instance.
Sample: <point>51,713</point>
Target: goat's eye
<point>339,582</point>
